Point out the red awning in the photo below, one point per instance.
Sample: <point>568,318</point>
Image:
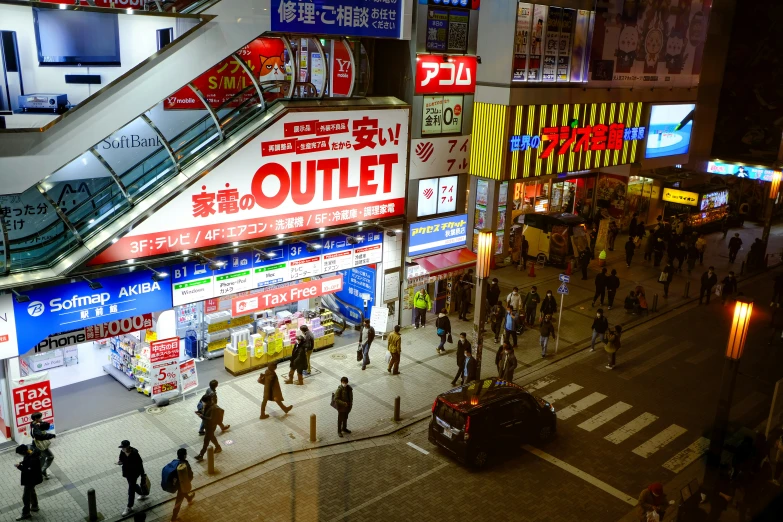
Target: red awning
<point>447,262</point>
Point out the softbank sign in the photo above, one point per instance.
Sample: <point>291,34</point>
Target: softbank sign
<point>308,170</point>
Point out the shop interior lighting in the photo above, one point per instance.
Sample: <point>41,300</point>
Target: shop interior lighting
<point>157,276</point>
<point>20,298</point>
<point>94,285</point>
<point>264,255</point>
<point>213,265</point>
<point>312,247</point>
<point>352,240</point>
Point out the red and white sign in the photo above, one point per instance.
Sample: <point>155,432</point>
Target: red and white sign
<point>340,70</point>
<point>287,294</point>
<point>455,76</point>
<point>118,327</point>
<point>188,375</point>
<point>439,156</point>
<point>165,377</point>
<point>30,395</point>
<point>283,181</point>
<point>8,344</point>
<point>164,350</point>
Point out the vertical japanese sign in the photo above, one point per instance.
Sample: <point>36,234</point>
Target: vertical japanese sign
<point>522,41</point>
<point>339,17</point>
<point>30,395</point>
<point>537,42</point>
<point>551,43</point>
<point>308,170</point>
<point>164,358</point>
<point>567,21</point>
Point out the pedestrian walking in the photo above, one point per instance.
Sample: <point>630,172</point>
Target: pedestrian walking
<point>724,225</point>
<point>593,239</point>
<point>184,482</point>
<point>600,325</point>
<point>641,230</point>
<point>464,304</point>
<point>545,331</point>
<point>692,256</point>
<point>612,234</point>
<point>394,344</point>
<point>701,246</point>
<point>212,415</point>
<point>469,367</point>
<point>523,253</point>
<point>729,290</point>
<point>631,303</point>
<point>584,261</point>
<point>421,304</point>
<point>132,471</point>
<point>443,329</point>
<point>496,314</point>
<point>298,361</point>
<point>272,392</point>
<point>514,299</point>
<point>659,249</point>
<point>680,251</point>
<point>708,280</point>
<point>42,441</point>
<point>343,399</point>
<point>366,337</point>
<point>548,305</point>
<point>510,325</point>
<point>31,477</point>
<point>754,257</point>
<point>735,244</point>
<point>508,363</point>
<point>612,345</point>
<point>211,391</point>
<point>600,287</point>
<point>630,248</point>
<point>632,224</point>
<point>532,299</point>
<point>667,274</point>
<point>649,247</point>
<point>612,284</point>
<point>652,500</point>
<point>493,292</point>
<point>462,345</point>
<point>309,346</point>
<point>777,291</point>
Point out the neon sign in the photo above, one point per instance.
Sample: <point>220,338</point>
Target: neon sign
<point>563,140</point>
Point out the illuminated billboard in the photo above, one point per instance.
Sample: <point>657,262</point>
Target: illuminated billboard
<point>741,171</point>
<point>669,132</point>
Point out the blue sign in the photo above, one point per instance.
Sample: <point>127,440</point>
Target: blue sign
<point>356,282</point>
<point>670,130</point>
<point>565,278</point>
<point>438,234</point>
<point>62,308</point>
<point>562,289</point>
<point>367,18</point>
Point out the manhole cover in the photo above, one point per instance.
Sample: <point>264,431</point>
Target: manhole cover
<point>154,410</point>
<point>339,356</point>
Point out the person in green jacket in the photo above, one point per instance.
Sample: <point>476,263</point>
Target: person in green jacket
<point>421,303</point>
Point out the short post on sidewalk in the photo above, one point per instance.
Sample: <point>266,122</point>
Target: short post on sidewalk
<point>742,268</point>
<point>397,409</point>
<point>312,428</point>
<point>655,303</point>
<point>92,507</point>
<point>211,460</point>
<point>687,289</point>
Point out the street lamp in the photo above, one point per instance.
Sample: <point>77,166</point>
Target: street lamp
<point>774,190</point>
<point>735,347</point>
<point>774,186</point>
<point>486,242</point>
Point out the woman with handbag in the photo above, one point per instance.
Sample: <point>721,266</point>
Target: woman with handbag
<point>666,277</point>
<point>443,329</point>
<point>272,391</point>
<point>342,401</point>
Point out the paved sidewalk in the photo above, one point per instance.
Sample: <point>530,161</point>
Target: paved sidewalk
<point>86,457</point>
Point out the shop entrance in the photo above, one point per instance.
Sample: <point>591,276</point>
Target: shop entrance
<point>574,196</point>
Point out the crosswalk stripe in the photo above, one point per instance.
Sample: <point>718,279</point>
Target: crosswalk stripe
<point>541,383</point>
<point>605,416</point>
<point>638,424</point>
<point>657,442</point>
<point>643,348</point>
<point>687,456</point>
<point>562,393</point>
<point>580,405</point>
<point>654,361</point>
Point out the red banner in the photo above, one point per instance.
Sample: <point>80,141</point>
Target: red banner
<point>457,75</point>
<point>287,294</point>
<point>31,398</point>
<point>118,327</point>
<point>164,350</point>
<point>341,71</point>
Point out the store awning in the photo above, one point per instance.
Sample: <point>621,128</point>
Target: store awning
<point>443,264</point>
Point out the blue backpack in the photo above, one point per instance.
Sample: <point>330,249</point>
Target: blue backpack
<point>169,480</point>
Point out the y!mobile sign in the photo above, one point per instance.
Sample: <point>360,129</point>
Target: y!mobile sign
<point>308,170</point>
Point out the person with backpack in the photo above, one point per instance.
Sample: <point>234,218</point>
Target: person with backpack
<point>212,415</point>
<point>443,329</point>
<point>421,303</point>
<point>42,440</point>
<point>177,477</point>
<point>309,345</point>
<point>211,392</point>
<point>298,361</point>
<point>132,470</point>
<point>600,326</point>
<point>612,345</point>
<point>272,392</point>
<point>31,477</point>
<point>462,345</point>
<point>343,400</point>
<point>366,337</point>
<point>532,299</point>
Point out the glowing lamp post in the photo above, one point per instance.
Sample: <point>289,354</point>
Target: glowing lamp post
<point>774,190</point>
<point>774,187</point>
<point>734,350</point>
<point>486,243</point>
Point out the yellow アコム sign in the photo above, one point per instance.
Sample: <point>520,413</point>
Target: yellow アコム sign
<point>683,197</point>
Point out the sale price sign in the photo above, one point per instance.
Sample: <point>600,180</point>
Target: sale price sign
<point>188,375</point>
<point>31,395</point>
<point>165,377</point>
<point>164,350</point>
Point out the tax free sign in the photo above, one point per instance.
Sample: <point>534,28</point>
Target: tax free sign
<point>71,306</point>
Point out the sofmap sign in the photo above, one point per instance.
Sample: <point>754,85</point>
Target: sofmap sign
<point>366,18</point>
<point>308,170</point>
<point>438,234</point>
<point>75,305</point>
<point>457,75</point>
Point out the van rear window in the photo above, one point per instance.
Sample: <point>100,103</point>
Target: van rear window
<point>450,416</point>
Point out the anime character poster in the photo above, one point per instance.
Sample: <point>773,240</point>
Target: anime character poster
<point>650,43</point>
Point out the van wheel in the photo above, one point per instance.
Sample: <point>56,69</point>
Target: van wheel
<point>544,433</point>
<point>480,459</point>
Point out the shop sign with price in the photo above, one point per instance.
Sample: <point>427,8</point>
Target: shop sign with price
<point>164,356</point>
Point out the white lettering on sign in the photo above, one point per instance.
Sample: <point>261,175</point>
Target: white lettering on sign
<point>457,75</point>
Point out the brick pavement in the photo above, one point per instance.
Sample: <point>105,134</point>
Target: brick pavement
<point>85,457</point>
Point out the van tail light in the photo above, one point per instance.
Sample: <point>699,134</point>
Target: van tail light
<point>434,404</point>
<point>467,428</point>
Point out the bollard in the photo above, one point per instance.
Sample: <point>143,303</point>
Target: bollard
<point>742,268</point>
<point>655,303</point>
<point>397,409</point>
<point>312,428</point>
<point>211,460</point>
<point>92,509</point>
<point>687,288</point>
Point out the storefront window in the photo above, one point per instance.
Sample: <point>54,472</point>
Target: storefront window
<point>641,191</point>
<point>574,196</point>
<point>610,195</point>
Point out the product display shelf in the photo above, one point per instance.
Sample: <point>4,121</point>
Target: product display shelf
<point>123,359</point>
<point>142,371</point>
<point>216,331</point>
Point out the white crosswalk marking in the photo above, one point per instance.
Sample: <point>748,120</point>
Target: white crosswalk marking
<point>657,442</point>
<point>633,427</point>
<point>562,393</point>
<point>541,383</point>
<point>687,456</point>
<point>605,416</point>
<point>580,405</point>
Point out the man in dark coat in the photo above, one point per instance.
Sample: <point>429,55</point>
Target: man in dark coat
<point>211,415</point>
<point>469,367</point>
<point>366,337</point>
<point>41,440</point>
<point>298,361</point>
<point>309,344</point>
<point>343,397</point>
<point>493,292</point>
<point>31,477</point>
<point>462,345</point>
<point>211,392</point>
<point>659,247</point>
<point>669,271</point>
<point>132,469</point>
<point>600,287</point>
<point>464,303</point>
<point>708,280</point>
<point>630,247</point>
<point>612,284</point>
<point>584,261</point>
<point>272,392</point>
<point>735,244</point>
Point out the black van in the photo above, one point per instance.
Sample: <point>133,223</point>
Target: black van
<point>472,420</point>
